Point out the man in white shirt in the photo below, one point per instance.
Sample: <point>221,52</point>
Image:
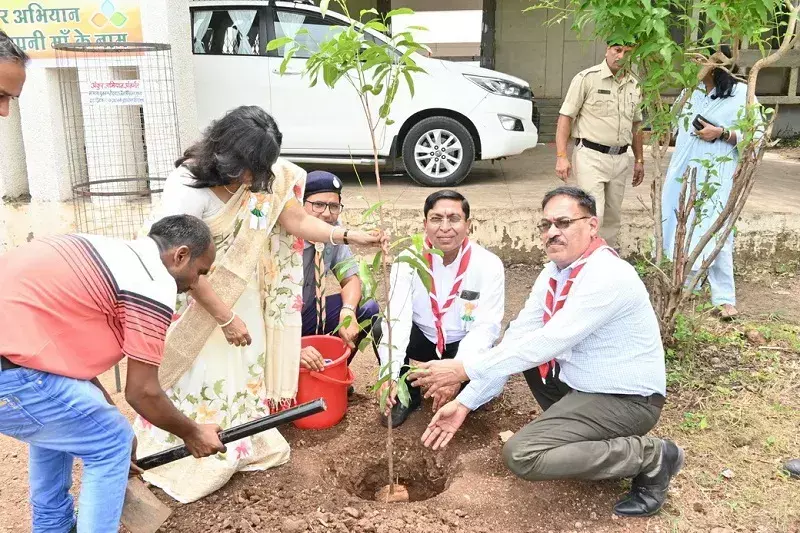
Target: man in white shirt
<point>461,313</point>
<point>588,317</point>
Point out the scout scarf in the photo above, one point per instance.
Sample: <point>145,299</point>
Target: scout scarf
<point>439,312</point>
<point>552,303</point>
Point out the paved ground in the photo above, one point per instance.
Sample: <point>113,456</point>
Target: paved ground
<point>521,181</point>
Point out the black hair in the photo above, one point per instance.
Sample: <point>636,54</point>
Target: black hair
<point>724,82</point>
<point>182,230</point>
<point>585,200</point>
<point>446,194</point>
<point>10,52</point>
<point>246,138</point>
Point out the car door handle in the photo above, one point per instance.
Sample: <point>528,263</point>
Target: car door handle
<point>287,72</point>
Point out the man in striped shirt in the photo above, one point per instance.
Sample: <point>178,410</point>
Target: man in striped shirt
<point>589,345</point>
<point>71,307</point>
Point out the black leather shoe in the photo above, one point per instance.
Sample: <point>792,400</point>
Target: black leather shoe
<point>401,412</point>
<point>648,493</point>
<point>793,467</point>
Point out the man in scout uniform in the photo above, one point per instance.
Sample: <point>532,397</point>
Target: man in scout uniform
<point>460,315</point>
<point>588,343</point>
<point>601,112</point>
<point>321,315</point>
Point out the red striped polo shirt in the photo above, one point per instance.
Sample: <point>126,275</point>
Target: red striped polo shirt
<point>74,305</point>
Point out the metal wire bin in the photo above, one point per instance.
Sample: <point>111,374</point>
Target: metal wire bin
<point>121,128</point>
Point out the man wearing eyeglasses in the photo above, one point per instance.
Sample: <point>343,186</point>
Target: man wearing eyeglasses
<point>589,345</point>
<point>458,314</point>
<point>321,314</point>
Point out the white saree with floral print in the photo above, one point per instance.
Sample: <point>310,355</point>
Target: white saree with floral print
<point>259,273</point>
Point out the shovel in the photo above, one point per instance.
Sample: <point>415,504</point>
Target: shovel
<point>144,513</point>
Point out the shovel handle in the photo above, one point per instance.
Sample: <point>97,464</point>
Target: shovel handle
<point>238,432</point>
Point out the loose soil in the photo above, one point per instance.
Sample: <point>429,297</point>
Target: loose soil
<point>329,483</point>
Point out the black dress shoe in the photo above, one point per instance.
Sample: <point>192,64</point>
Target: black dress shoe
<point>648,493</point>
<point>401,412</point>
<point>793,467</point>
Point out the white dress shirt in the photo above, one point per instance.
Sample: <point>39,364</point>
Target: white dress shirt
<point>410,303</point>
<point>605,338</point>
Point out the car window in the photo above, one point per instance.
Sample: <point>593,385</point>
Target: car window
<point>288,23</point>
<point>226,31</point>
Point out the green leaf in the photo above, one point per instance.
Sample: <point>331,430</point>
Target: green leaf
<point>364,344</point>
<point>376,261</point>
<point>409,81</point>
<point>343,324</point>
<point>399,11</point>
<point>323,6</point>
<point>381,381</point>
<point>402,391</point>
<point>367,281</point>
<point>418,267</point>
<point>367,11</point>
<point>389,122</point>
<point>274,44</point>
<point>376,25</point>
<point>374,207</point>
<point>218,387</point>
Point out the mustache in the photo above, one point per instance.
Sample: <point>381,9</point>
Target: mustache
<point>554,240</point>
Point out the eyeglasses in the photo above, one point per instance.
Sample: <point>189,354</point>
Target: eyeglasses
<point>437,221</point>
<point>559,223</point>
<point>320,207</point>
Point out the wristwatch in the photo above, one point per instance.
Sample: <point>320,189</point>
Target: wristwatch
<point>640,161</point>
<point>725,135</point>
<point>349,307</point>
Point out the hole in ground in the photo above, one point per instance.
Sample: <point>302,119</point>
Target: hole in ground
<point>423,478</point>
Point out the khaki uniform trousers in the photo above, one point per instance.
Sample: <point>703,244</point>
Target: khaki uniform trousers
<point>603,176</point>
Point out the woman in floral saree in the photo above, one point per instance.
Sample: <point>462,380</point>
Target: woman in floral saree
<point>234,353</point>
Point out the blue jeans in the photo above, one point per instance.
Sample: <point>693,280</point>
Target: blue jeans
<point>62,418</point>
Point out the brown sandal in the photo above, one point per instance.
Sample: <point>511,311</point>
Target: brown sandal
<point>727,312</point>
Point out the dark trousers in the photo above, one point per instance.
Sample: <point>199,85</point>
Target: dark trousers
<point>549,392</point>
<point>333,306</point>
<point>584,436</point>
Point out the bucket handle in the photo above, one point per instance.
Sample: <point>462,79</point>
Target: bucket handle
<point>347,382</point>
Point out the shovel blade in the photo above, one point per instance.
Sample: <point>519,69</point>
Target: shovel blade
<point>143,512</point>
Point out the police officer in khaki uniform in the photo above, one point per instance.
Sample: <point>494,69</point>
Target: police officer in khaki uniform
<point>601,112</point>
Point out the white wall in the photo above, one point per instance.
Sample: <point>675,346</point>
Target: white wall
<point>43,136</point>
<point>13,172</point>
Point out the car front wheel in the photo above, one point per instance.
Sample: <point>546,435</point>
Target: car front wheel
<point>438,151</point>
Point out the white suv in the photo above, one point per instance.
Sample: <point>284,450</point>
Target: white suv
<point>458,114</point>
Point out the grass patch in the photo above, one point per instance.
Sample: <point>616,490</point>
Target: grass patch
<point>734,405</point>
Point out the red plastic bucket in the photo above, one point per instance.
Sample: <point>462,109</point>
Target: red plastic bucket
<point>330,384</point>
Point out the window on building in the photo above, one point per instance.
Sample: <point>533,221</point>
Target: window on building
<point>289,23</point>
<point>226,32</point>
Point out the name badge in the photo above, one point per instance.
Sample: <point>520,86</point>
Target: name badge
<point>470,295</point>
<point>603,91</point>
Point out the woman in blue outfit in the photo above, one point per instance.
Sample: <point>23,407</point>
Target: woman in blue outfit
<point>720,100</point>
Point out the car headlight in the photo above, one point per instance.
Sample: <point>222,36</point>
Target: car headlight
<point>500,86</point>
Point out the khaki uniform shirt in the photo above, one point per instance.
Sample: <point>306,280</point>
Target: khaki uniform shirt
<point>602,107</point>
